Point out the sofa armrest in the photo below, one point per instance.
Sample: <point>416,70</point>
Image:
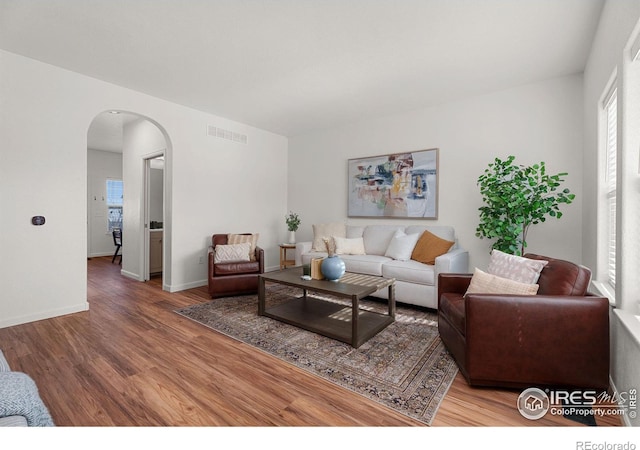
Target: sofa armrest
<point>455,261</point>
<point>511,335</point>
<point>260,258</point>
<point>302,248</point>
<point>454,283</point>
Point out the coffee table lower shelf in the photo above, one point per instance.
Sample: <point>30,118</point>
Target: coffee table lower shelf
<point>329,319</point>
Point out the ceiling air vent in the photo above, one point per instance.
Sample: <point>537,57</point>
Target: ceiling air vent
<point>226,134</point>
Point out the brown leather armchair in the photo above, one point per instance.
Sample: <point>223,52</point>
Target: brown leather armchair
<point>559,337</point>
<point>233,277</point>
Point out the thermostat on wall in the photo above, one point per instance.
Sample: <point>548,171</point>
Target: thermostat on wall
<point>37,220</point>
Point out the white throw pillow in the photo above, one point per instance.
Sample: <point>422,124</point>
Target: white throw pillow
<point>486,283</point>
<point>346,246</point>
<point>232,252</point>
<point>402,245</point>
<point>324,231</point>
<point>516,268</point>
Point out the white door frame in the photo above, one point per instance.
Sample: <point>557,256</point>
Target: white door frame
<point>145,229</point>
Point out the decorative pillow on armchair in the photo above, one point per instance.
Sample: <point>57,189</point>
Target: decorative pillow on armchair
<point>242,238</point>
<point>516,268</point>
<point>233,252</point>
<point>486,283</point>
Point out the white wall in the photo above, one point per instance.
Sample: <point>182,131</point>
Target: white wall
<point>101,165</point>
<point>537,122</point>
<point>617,22</point>
<point>140,139</point>
<point>216,185</point>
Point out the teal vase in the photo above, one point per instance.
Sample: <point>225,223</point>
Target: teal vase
<point>332,268</point>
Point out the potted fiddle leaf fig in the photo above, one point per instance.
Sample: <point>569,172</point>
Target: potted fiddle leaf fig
<point>516,197</point>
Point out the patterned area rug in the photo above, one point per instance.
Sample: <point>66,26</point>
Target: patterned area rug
<point>404,367</point>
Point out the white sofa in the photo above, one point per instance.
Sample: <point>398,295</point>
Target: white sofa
<point>416,283</point>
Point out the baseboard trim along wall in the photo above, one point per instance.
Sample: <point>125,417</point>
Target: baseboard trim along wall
<point>41,315</point>
<point>185,286</point>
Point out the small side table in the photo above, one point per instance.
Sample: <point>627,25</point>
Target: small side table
<point>284,262</point>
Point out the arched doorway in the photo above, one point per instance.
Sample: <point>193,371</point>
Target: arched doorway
<point>120,145</point>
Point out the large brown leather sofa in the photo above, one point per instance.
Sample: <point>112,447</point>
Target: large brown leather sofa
<point>559,337</point>
<point>233,277</point>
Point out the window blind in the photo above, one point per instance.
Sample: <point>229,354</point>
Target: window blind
<point>114,204</point>
<point>610,182</point>
<point>114,192</point>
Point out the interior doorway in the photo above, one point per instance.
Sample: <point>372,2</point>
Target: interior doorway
<point>153,215</point>
<point>142,146</point>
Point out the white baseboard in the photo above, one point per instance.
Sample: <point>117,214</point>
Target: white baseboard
<point>185,286</point>
<point>133,276</point>
<point>41,315</point>
<point>616,394</point>
<point>100,254</point>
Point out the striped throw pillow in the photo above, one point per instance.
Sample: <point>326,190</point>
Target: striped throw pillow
<point>242,238</point>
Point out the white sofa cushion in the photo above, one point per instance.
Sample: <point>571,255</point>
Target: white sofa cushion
<point>378,237</point>
<point>365,264</point>
<point>410,271</point>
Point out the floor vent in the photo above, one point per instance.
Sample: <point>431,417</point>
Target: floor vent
<point>226,134</point>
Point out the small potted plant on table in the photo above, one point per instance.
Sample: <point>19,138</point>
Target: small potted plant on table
<point>293,222</point>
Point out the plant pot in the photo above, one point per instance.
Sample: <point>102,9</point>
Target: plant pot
<point>292,237</point>
<point>332,268</point>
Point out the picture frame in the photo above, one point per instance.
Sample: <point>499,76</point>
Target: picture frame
<point>395,185</point>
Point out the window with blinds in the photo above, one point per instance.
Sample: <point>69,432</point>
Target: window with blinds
<point>114,204</point>
<point>611,110</point>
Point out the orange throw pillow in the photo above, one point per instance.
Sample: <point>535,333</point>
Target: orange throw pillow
<point>429,247</point>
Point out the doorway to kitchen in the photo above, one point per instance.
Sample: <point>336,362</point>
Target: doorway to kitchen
<point>153,215</point>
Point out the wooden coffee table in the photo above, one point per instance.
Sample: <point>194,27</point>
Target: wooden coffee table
<point>344,323</point>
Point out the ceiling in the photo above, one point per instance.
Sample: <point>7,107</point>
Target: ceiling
<point>106,131</point>
<point>293,66</point>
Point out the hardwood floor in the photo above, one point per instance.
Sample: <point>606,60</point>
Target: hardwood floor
<point>131,361</point>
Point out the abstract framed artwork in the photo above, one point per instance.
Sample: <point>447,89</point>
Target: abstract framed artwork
<point>394,185</point>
